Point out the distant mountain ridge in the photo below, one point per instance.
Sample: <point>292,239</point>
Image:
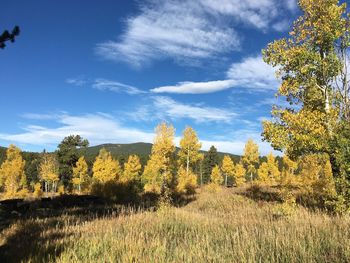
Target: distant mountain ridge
<point>139,148</point>
<point>117,149</point>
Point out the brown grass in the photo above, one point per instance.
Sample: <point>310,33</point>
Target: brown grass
<point>220,226</point>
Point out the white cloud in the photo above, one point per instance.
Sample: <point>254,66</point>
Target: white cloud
<point>39,116</point>
<point>176,29</point>
<point>115,86</point>
<point>196,87</point>
<point>253,72</point>
<point>167,107</point>
<point>97,128</point>
<point>250,73</point>
<point>78,81</point>
<point>292,5</point>
<point>102,128</point>
<point>189,30</point>
<point>237,146</point>
<point>257,13</point>
<point>282,25</point>
<point>238,141</point>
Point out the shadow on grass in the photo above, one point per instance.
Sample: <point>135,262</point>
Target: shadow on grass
<point>39,229</point>
<point>28,238</point>
<point>261,193</point>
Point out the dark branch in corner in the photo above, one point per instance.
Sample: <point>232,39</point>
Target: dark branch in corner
<point>7,36</point>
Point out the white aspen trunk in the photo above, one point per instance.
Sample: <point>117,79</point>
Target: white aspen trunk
<point>226,180</point>
<point>326,106</point>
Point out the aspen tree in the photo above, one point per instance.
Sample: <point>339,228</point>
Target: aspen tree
<point>105,168</point>
<point>250,157</point>
<point>158,173</point>
<point>189,149</point>
<point>187,181</point>
<point>81,177</point>
<point>312,63</point>
<point>239,174</point>
<point>132,170</point>
<point>12,172</point>
<point>268,171</point>
<point>216,176</point>
<point>49,172</point>
<point>227,168</point>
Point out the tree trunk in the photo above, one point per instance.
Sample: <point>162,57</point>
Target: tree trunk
<point>326,107</point>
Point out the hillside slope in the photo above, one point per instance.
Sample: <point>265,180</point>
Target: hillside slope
<point>119,150</point>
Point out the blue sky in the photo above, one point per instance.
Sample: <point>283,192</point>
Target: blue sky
<point>111,70</point>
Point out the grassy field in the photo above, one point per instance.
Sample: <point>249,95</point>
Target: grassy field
<point>217,227</point>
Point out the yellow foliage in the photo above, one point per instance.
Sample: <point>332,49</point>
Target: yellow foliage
<point>189,148</point>
<point>132,170</point>
<point>239,174</point>
<point>159,168</point>
<point>250,157</point>
<point>105,168</point>
<point>60,190</point>
<point>288,176</point>
<point>23,193</point>
<point>227,168</point>
<point>216,176</point>
<point>37,190</point>
<point>12,172</point>
<point>151,177</point>
<point>268,172</point>
<point>308,62</point>
<point>316,175</point>
<point>187,181</point>
<point>48,171</point>
<point>81,177</point>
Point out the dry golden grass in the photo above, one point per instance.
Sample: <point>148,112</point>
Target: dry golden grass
<point>220,226</point>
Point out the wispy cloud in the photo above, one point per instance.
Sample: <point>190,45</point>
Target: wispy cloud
<point>254,73</point>
<point>190,29</point>
<point>77,81</point>
<point>199,113</point>
<point>164,108</point>
<point>257,13</point>
<point>282,25</point>
<point>115,86</point>
<point>250,73</point>
<point>177,29</point>
<point>105,84</point>
<point>292,5</point>
<point>101,128</point>
<point>98,128</point>
<point>39,116</point>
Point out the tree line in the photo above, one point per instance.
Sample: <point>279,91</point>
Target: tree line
<point>166,172</point>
